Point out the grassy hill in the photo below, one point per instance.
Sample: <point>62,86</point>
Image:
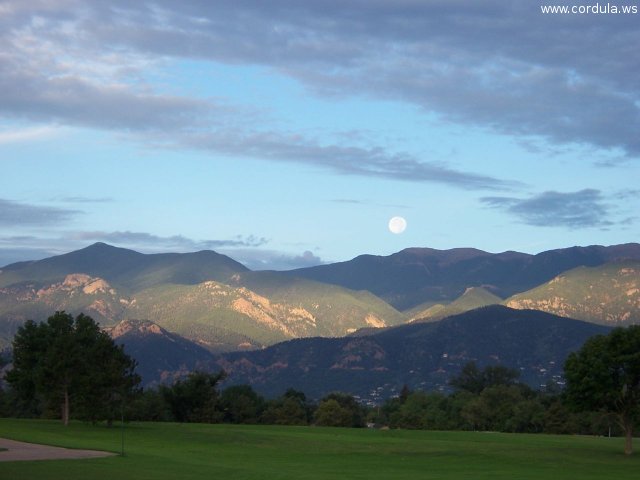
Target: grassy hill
<point>194,452</point>
<point>607,294</point>
<point>473,297</point>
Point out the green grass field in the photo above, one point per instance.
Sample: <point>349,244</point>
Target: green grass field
<point>158,451</point>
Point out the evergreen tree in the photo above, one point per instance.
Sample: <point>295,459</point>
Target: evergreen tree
<point>289,409</point>
<point>241,404</point>
<point>70,362</point>
<point>605,374</point>
<point>340,410</point>
<point>194,399</point>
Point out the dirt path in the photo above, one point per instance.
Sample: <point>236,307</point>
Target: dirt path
<point>17,451</point>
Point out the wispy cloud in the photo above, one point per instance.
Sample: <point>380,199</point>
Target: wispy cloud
<point>14,255</point>
<point>265,259</point>
<point>627,194</point>
<point>346,160</point>
<point>77,101</point>
<point>127,238</point>
<point>14,248</point>
<point>350,201</point>
<point>28,134</point>
<point>79,199</point>
<point>23,214</point>
<point>582,209</point>
<point>248,250</point>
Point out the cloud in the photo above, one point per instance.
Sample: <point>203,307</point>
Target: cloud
<point>21,248</point>
<point>244,249</point>
<point>346,160</point>
<point>72,100</point>
<point>502,66</point>
<point>263,259</point>
<point>499,66</point>
<point>80,199</point>
<point>627,194</point>
<point>17,248</point>
<point>582,209</point>
<point>23,214</point>
<point>349,201</point>
<point>85,68</point>
<point>27,134</point>
<point>14,255</point>
<point>148,240</point>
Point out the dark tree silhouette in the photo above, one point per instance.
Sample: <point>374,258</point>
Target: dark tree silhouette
<point>70,362</point>
<point>605,374</point>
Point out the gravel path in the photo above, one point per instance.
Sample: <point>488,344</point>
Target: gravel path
<point>17,451</point>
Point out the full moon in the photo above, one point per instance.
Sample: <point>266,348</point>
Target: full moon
<point>397,225</point>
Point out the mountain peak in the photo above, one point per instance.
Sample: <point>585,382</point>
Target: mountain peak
<point>100,246</point>
<point>133,270</point>
<point>141,327</point>
<point>458,252</point>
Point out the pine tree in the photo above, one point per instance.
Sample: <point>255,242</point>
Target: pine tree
<point>70,362</point>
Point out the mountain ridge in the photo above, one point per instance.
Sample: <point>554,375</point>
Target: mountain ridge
<point>217,302</point>
<point>420,355</point>
<point>128,268</point>
<point>607,294</point>
<point>416,275</point>
<point>162,356</point>
<point>204,296</point>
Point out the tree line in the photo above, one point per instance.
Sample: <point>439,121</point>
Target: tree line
<point>68,368</point>
<point>489,399</point>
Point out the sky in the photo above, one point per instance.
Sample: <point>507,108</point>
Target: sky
<point>287,133</point>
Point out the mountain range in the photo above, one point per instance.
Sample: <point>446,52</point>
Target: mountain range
<point>376,365</point>
<point>217,302</point>
<point>420,355</point>
<point>204,296</point>
<point>417,275</point>
<point>194,306</point>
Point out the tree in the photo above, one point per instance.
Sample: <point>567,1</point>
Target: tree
<point>290,409</point>
<point>331,414</point>
<point>411,412</point>
<point>505,408</point>
<point>241,404</point>
<point>149,406</point>
<point>474,380</point>
<point>194,399</point>
<point>104,390</point>
<point>3,397</point>
<point>340,410</point>
<point>470,379</point>
<point>28,345</point>
<point>66,361</point>
<point>605,374</point>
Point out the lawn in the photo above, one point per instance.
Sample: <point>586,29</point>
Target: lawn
<point>158,451</point>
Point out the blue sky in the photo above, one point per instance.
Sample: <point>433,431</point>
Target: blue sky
<point>288,133</point>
